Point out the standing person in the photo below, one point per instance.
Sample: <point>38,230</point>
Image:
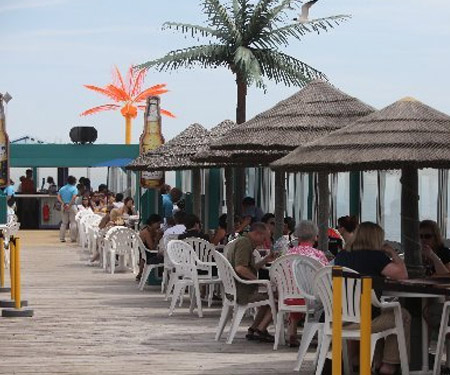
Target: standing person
<point>242,260</point>
<point>249,209</point>
<point>66,196</point>
<point>8,190</point>
<point>28,207</point>
<point>28,183</point>
<point>51,186</point>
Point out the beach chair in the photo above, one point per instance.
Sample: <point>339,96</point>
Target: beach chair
<point>187,265</point>
<point>444,330</point>
<point>304,269</point>
<point>282,277</point>
<point>147,267</point>
<point>122,242</point>
<point>229,297</point>
<point>351,313</point>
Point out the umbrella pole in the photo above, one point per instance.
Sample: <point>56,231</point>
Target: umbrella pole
<point>229,197</point>
<point>197,192</point>
<point>280,202</point>
<point>324,210</point>
<point>410,221</point>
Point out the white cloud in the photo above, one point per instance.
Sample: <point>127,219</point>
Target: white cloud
<point>29,4</point>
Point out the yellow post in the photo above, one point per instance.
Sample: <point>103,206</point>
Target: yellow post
<point>12,265</point>
<point>17,275</point>
<point>337,321</point>
<point>2,263</point>
<point>366,323</point>
<point>128,124</point>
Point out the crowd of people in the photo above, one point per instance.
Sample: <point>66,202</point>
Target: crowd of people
<point>74,197</point>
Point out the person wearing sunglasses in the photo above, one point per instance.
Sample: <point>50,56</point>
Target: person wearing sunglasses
<point>435,255</point>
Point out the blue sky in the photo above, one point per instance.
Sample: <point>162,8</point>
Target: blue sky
<point>50,48</point>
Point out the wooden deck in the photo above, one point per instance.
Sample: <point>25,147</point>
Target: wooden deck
<point>89,322</point>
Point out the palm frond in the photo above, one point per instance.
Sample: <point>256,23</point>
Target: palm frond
<point>285,69</point>
<point>118,79</point>
<point>247,64</point>
<point>149,92</point>
<point>139,78</point>
<point>194,30</point>
<point>167,113</point>
<point>100,108</point>
<point>207,56</point>
<point>218,16</point>
<point>297,30</point>
<point>259,19</point>
<point>122,95</point>
<point>104,91</point>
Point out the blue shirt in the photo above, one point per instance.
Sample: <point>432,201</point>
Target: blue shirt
<point>8,191</point>
<point>167,205</point>
<point>67,192</point>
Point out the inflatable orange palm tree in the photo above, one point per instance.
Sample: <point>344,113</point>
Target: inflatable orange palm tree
<point>127,94</point>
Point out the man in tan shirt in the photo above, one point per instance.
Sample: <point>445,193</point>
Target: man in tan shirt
<point>242,259</point>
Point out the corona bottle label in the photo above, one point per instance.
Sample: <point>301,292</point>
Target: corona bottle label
<point>151,138</point>
<point>4,148</point>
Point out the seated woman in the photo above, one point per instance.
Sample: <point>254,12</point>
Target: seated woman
<point>306,232</point>
<point>84,204</point>
<point>127,211</point>
<point>369,256</point>
<point>150,235</point>
<point>193,228</point>
<point>220,235</point>
<point>269,220</point>
<point>436,259</point>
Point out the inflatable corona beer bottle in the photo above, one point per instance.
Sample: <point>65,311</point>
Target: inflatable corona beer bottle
<point>4,148</point>
<point>151,138</point>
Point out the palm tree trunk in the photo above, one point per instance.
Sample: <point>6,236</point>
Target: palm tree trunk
<point>324,211</point>
<point>229,199</point>
<point>197,192</point>
<point>280,202</point>
<point>128,124</point>
<point>241,109</point>
<point>410,221</point>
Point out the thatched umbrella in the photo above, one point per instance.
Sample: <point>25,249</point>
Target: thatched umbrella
<point>406,135</point>
<point>176,155</point>
<point>313,112</point>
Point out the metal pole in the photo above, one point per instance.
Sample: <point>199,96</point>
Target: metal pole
<point>17,275</point>
<point>197,192</point>
<point>2,263</point>
<point>337,321</point>
<point>366,326</point>
<point>229,199</point>
<point>12,268</point>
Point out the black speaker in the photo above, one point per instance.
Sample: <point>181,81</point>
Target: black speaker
<point>83,134</point>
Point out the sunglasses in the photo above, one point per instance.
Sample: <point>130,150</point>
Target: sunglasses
<point>271,222</point>
<point>426,236</point>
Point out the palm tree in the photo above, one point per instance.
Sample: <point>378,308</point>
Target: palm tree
<point>247,38</point>
<point>129,93</point>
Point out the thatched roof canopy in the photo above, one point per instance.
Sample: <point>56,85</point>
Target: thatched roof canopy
<point>175,154</point>
<point>314,111</point>
<point>407,133</point>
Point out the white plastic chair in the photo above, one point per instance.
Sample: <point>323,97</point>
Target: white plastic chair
<point>444,330</point>
<point>282,277</point>
<point>205,253</point>
<point>304,269</point>
<point>79,215</point>
<point>122,242</point>
<point>167,281</point>
<point>147,267</point>
<point>187,264</point>
<point>351,313</point>
<point>85,221</point>
<point>229,279</point>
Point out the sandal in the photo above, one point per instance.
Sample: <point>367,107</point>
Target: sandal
<point>264,336</point>
<point>251,334</point>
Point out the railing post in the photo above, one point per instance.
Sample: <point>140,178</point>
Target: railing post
<point>337,321</point>
<point>2,267</point>
<point>366,326</point>
<point>12,267</point>
<point>17,303</point>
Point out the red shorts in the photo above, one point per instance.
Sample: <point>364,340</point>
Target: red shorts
<point>295,302</point>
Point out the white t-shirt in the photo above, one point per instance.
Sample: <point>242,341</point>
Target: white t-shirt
<point>176,229</point>
<point>118,204</point>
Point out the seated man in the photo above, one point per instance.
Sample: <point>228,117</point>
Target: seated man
<point>242,259</point>
<point>193,228</point>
